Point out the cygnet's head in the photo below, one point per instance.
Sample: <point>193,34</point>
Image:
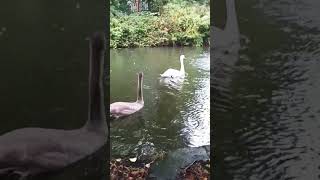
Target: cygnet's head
<point>97,41</point>
<point>140,75</point>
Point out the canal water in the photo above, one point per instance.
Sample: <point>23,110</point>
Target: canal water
<point>266,102</point>
<point>175,115</point>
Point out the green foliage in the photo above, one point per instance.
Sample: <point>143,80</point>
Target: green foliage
<point>184,24</point>
<point>117,7</point>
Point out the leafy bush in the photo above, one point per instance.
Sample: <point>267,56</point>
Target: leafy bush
<point>183,24</point>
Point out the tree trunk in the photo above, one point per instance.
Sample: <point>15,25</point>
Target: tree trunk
<point>138,5</point>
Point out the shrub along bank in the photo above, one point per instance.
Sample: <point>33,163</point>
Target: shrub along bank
<point>184,24</point>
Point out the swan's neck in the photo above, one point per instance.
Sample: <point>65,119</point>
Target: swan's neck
<point>232,22</point>
<point>140,90</point>
<point>181,66</point>
<point>96,109</point>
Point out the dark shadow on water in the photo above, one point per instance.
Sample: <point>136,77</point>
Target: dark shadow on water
<point>134,120</point>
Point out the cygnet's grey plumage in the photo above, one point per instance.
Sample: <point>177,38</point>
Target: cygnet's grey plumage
<point>36,150</point>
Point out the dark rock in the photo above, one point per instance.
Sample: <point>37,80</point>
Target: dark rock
<point>171,166</point>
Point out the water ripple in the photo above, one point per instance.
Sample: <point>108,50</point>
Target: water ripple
<point>266,104</point>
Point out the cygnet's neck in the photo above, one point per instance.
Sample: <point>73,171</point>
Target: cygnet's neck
<point>140,90</point>
<point>96,110</point>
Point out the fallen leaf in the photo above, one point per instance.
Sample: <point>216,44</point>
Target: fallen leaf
<point>133,159</point>
<point>148,165</point>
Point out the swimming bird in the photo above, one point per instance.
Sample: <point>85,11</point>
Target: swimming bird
<point>29,151</point>
<point>173,73</point>
<point>229,36</point>
<point>121,109</point>
<point>225,47</point>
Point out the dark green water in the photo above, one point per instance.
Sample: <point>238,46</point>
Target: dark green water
<point>44,64</point>
<point>266,101</point>
<point>172,117</point>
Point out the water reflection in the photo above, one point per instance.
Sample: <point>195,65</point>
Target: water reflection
<point>172,83</point>
<point>197,110</point>
<point>197,116</point>
<point>269,129</point>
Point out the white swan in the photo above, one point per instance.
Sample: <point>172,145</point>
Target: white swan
<point>173,73</point>
<point>30,151</point>
<point>120,109</point>
<point>229,36</point>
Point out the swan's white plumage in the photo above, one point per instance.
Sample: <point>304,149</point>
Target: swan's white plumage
<point>173,73</point>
